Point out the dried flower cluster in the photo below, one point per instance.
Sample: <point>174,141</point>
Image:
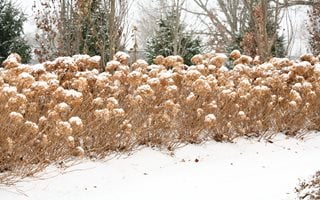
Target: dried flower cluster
<point>66,107</point>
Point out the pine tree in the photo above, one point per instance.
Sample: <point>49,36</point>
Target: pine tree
<point>162,42</point>
<point>11,32</point>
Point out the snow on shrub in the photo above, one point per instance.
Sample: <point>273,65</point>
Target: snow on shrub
<point>68,107</point>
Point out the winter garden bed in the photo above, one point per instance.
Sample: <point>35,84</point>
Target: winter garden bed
<point>69,107</point>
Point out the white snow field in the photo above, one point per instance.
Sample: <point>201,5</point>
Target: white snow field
<point>246,169</point>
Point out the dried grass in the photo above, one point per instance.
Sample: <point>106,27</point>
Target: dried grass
<point>66,107</point>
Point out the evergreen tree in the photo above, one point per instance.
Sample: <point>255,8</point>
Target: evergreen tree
<point>11,32</point>
<point>162,42</point>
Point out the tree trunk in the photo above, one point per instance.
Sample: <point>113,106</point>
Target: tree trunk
<point>112,31</point>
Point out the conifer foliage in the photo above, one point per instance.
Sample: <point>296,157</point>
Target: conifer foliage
<point>163,41</point>
<point>11,32</point>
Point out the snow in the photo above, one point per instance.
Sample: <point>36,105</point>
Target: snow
<point>122,54</point>
<point>210,118</point>
<point>154,67</point>
<point>10,90</point>
<point>81,57</point>
<point>293,103</point>
<point>75,120</point>
<point>246,169</point>
<point>50,76</point>
<point>262,88</point>
<point>226,91</point>
<point>241,113</point>
<point>165,75</point>
<point>72,93</point>
<point>95,59</point>
<point>144,88</point>
<point>134,74</point>
<point>40,85</point>
<point>172,88</point>
<point>153,81</point>
<point>15,115</point>
<point>223,69</point>
<point>63,107</point>
<point>38,67</point>
<point>193,73</point>
<point>25,75</point>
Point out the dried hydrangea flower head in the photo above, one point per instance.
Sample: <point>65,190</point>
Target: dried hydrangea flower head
<point>235,54</point>
<point>197,59</point>
<point>13,60</point>
<point>122,57</point>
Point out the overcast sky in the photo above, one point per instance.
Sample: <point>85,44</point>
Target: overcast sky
<point>26,7</point>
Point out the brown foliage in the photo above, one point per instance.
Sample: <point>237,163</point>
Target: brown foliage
<point>66,107</point>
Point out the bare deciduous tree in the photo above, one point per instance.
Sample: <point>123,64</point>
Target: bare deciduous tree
<point>227,20</point>
<point>314,28</point>
<point>68,27</point>
<point>223,25</point>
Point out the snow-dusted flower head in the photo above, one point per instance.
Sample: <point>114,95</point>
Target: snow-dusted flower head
<point>140,65</point>
<point>112,103</point>
<point>81,84</point>
<point>79,151</point>
<point>122,57</point>
<point>98,102</point>
<point>159,60</point>
<point>135,77</point>
<point>201,86</point>
<point>118,112</point>
<point>173,61</point>
<point>301,68</point>
<point>53,116</point>
<point>112,65</point>
<point>197,59</point>
<point>210,120</point>
<point>40,87</point>
<point>12,61</point>
<point>235,54</point>
<point>76,123</point>
<point>71,141</point>
<point>309,58</point>
<point>72,97</point>
<point>25,80</point>
<point>192,75</point>
<point>218,60</point>
<point>62,108</point>
<point>31,127</point>
<point>244,59</point>
<point>144,90</point>
<point>280,63</point>
<point>16,117</point>
<point>103,114</point>
<point>63,128</point>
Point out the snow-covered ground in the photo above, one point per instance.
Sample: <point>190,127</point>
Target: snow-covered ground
<point>246,169</point>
